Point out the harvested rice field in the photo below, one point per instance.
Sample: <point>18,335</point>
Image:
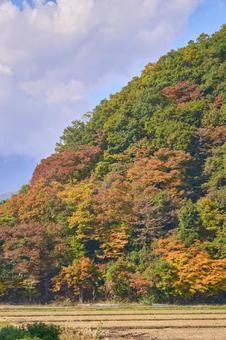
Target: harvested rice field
<point>125,322</point>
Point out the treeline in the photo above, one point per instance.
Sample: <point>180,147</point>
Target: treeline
<point>132,204</point>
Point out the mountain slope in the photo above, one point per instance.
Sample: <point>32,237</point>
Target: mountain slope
<point>132,204</point>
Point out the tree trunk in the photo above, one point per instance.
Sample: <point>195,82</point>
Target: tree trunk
<point>81,295</point>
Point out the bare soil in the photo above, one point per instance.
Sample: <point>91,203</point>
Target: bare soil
<point>125,322</point>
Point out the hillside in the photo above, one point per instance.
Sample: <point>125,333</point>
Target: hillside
<point>131,206</point>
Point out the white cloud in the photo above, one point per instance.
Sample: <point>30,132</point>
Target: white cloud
<point>54,91</point>
<point>5,70</point>
<point>61,92</point>
<point>55,58</point>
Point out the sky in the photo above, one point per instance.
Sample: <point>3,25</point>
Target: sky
<point>59,59</point>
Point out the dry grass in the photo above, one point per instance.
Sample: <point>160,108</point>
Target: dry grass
<point>72,334</point>
<point>125,322</point>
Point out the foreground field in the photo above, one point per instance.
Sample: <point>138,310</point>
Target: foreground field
<point>129,322</point>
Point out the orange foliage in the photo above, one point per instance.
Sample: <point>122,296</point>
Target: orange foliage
<point>162,171</point>
<point>112,205</point>
<point>197,272</point>
<point>39,203</point>
<point>80,277</point>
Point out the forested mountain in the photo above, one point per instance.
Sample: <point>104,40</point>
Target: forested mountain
<point>131,204</point>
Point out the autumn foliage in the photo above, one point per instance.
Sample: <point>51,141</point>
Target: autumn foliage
<point>131,206</point>
<point>196,273</point>
<point>182,92</point>
<point>68,164</point>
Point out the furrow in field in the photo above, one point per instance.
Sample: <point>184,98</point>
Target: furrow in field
<point>97,313</point>
<point>168,334</point>
<point>90,318</point>
<point>137,324</point>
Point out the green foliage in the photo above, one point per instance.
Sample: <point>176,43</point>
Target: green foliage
<point>215,169</point>
<point>117,279</point>
<point>131,206</point>
<point>43,331</point>
<point>214,116</point>
<point>37,331</point>
<point>163,275</point>
<point>30,338</point>
<point>12,333</point>
<point>189,223</point>
<point>124,282</point>
<point>217,247</point>
<point>76,134</point>
<point>24,189</point>
<point>99,332</point>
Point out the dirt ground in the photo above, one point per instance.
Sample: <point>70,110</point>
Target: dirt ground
<point>126,322</point>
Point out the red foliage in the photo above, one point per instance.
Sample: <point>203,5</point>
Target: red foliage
<point>139,284</point>
<point>209,138</point>
<point>182,92</point>
<point>23,247</point>
<point>218,102</point>
<point>68,163</point>
<point>34,249</point>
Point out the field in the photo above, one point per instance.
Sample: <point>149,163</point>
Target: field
<point>125,322</point>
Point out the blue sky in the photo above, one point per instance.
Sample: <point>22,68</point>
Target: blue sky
<point>207,18</point>
<point>60,64</point>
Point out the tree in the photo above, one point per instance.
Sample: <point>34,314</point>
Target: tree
<point>124,283</point>
<point>190,224</point>
<point>40,203</point>
<point>182,92</point>
<point>133,199</point>
<point>112,206</point>
<point>158,185</point>
<point>197,274</point>
<point>65,165</point>
<point>32,254</point>
<point>81,279</point>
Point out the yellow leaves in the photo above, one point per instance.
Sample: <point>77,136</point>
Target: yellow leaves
<point>3,287</point>
<point>202,273</point>
<point>197,272</point>
<point>74,193</point>
<point>99,211</point>
<point>82,274</point>
<point>114,242</point>
<point>6,213</point>
<point>78,198</point>
<point>189,53</point>
<point>212,217</point>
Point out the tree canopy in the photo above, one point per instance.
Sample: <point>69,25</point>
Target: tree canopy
<point>131,206</point>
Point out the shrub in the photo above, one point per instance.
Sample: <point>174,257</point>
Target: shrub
<point>30,338</point>
<point>43,331</point>
<point>38,331</point>
<point>13,333</point>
